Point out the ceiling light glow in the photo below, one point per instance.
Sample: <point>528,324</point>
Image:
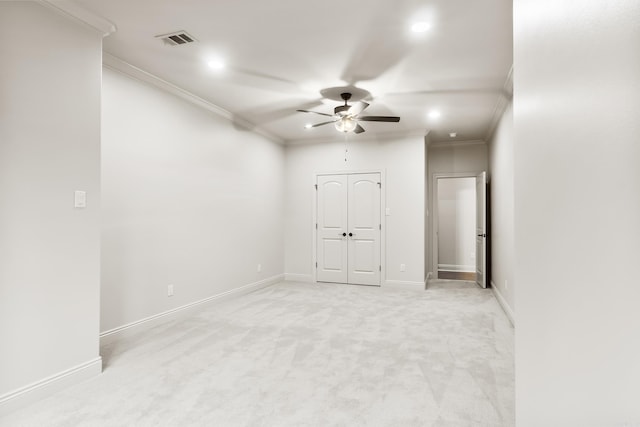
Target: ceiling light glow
<point>434,114</point>
<point>308,126</point>
<point>453,134</point>
<point>420,27</point>
<point>216,64</point>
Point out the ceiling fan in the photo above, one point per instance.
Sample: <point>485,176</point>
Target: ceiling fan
<point>346,117</point>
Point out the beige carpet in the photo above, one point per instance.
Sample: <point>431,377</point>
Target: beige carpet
<point>300,354</point>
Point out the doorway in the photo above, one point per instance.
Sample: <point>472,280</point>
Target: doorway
<point>348,228</point>
<point>460,227</point>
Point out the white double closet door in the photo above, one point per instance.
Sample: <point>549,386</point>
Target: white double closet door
<point>349,229</point>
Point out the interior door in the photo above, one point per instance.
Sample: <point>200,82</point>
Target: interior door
<point>481,229</point>
<point>332,218</point>
<point>348,229</point>
<point>364,229</point>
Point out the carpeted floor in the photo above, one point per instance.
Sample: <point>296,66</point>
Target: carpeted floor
<point>297,354</point>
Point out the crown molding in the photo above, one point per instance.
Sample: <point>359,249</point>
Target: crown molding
<point>116,64</point>
<point>72,10</point>
<point>371,136</point>
<point>506,95</point>
<point>452,144</point>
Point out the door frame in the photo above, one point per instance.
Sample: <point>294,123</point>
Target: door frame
<point>383,219</point>
<point>434,212</point>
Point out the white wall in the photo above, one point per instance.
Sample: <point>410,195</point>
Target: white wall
<point>451,159</point>
<point>402,162</point>
<point>49,147</point>
<point>188,200</point>
<point>577,212</point>
<point>457,224</point>
<point>501,184</point>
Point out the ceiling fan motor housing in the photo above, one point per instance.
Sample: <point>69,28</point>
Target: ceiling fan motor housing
<point>341,110</point>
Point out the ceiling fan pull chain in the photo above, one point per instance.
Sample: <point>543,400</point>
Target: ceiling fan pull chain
<point>346,147</point>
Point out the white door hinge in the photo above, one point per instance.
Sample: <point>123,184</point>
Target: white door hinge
<point>379,268</point>
<point>380,184</point>
<point>316,185</point>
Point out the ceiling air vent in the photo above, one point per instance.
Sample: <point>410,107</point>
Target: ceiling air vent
<point>177,38</point>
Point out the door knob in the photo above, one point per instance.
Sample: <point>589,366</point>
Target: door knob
<point>351,234</point>
<point>482,235</point>
<point>344,234</point>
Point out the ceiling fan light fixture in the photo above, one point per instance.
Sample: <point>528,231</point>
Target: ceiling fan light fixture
<point>346,124</point>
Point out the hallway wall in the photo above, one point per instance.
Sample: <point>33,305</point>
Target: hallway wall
<point>450,158</point>
<point>501,148</point>
<point>577,212</point>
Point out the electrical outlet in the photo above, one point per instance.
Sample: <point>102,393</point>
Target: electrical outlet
<point>403,267</point>
<point>170,290</point>
<point>259,268</point>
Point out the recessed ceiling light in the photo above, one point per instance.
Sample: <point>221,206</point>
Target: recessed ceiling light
<point>216,64</point>
<point>453,134</point>
<point>434,114</point>
<point>308,126</point>
<point>420,27</point>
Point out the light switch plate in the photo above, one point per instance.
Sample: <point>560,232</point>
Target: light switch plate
<point>80,199</point>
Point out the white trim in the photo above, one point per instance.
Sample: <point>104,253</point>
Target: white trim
<point>456,267</point>
<point>293,277</point>
<point>367,136</point>
<point>109,336</point>
<point>404,285</point>
<point>451,144</point>
<point>503,303</point>
<point>116,64</point>
<point>47,386</point>
<point>72,10</point>
<point>506,96</point>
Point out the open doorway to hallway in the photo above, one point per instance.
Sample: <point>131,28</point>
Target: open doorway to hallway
<point>456,228</point>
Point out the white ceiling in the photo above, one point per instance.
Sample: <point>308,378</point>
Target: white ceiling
<point>281,53</point>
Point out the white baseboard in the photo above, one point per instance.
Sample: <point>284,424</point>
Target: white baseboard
<point>111,335</point>
<point>455,267</point>
<point>292,277</point>
<point>31,393</point>
<point>503,303</point>
<point>404,285</point>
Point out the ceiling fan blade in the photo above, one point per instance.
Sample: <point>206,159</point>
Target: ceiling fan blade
<point>323,123</point>
<point>358,108</point>
<point>358,129</point>
<point>377,52</point>
<point>379,119</point>
<point>315,112</point>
